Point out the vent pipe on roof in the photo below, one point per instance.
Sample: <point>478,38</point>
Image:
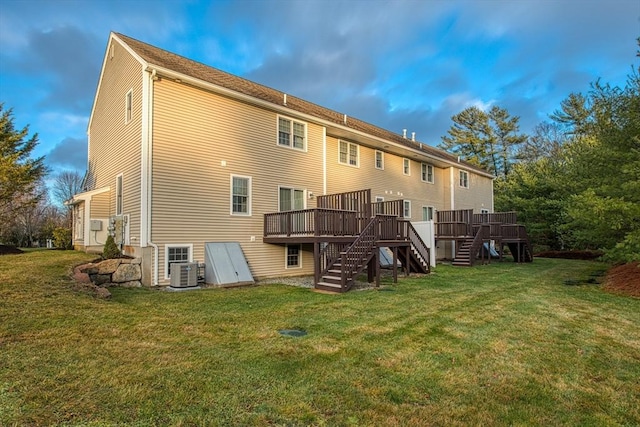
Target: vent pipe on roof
<point>458,159</point>
<point>413,136</point>
<point>404,133</point>
<point>285,98</point>
<point>345,119</point>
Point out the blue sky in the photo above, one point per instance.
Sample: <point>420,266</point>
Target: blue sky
<point>396,64</point>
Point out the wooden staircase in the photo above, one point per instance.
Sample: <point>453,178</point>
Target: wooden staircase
<point>340,274</point>
<point>463,254</point>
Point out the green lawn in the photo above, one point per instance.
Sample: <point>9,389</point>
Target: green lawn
<point>503,344</point>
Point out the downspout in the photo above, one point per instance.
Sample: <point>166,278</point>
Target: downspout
<point>149,175</point>
<point>324,160</point>
<point>453,206</point>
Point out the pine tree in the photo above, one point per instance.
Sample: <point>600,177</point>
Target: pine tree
<point>19,173</point>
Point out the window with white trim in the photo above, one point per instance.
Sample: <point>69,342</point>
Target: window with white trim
<point>379,160</point>
<point>176,253</point>
<point>119,203</point>
<point>427,213</point>
<point>407,208</point>
<point>291,133</point>
<point>128,105</point>
<point>293,256</point>
<point>406,166</point>
<point>348,153</point>
<point>240,195</point>
<point>427,173</point>
<point>464,179</point>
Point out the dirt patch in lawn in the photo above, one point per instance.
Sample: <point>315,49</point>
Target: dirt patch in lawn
<point>585,255</point>
<point>9,250</point>
<point>624,279</point>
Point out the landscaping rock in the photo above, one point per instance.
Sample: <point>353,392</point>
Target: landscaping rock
<point>131,284</point>
<point>109,266</point>
<point>101,279</point>
<point>102,293</point>
<point>88,268</point>
<point>127,273</point>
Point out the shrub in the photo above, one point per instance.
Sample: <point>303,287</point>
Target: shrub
<point>62,238</point>
<point>110,249</point>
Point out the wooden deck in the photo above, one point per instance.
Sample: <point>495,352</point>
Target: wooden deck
<point>347,230</point>
<point>471,231</point>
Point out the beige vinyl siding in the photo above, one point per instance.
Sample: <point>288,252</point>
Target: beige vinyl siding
<point>200,140</point>
<point>390,183</point>
<point>100,205</point>
<point>477,196</point>
<point>114,147</point>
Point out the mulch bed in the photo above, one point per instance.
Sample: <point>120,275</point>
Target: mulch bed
<point>9,250</point>
<point>586,255</point>
<point>624,279</point>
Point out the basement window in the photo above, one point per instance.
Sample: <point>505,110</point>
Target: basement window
<point>293,256</point>
<point>176,253</point>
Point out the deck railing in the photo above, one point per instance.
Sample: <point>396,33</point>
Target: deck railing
<point>501,217</point>
<point>358,201</point>
<point>391,207</point>
<point>312,222</point>
<point>356,256</point>
<point>514,232</point>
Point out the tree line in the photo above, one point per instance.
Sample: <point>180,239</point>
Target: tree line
<point>575,181</point>
<point>28,216</point>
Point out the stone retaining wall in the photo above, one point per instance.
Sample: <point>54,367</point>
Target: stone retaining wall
<point>123,272</point>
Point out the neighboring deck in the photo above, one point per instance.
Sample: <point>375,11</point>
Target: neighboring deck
<point>471,231</point>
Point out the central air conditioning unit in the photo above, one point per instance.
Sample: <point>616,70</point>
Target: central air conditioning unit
<point>184,275</point>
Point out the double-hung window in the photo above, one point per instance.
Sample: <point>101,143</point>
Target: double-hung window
<point>427,173</point>
<point>128,107</point>
<point>406,166</point>
<point>348,153</point>
<point>119,195</point>
<point>379,160</point>
<point>291,133</point>
<point>240,195</point>
<point>407,209</point>
<point>464,179</point>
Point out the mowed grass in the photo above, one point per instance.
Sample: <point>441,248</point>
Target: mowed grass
<point>502,344</point>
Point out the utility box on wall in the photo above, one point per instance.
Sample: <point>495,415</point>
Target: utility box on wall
<point>96,225</point>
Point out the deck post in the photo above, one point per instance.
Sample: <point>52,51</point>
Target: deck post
<point>317,262</point>
<point>371,270</point>
<point>407,268</point>
<point>395,264</point>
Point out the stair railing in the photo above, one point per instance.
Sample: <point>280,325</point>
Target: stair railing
<point>356,256</point>
<point>483,233</point>
<point>418,244</point>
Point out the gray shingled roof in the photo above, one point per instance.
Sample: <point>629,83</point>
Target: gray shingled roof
<point>171,61</point>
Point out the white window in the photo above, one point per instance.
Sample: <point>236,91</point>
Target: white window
<point>119,195</point>
<point>379,160</point>
<point>464,179</point>
<point>348,153</point>
<point>175,253</point>
<point>427,173</point>
<point>291,133</point>
<point>427,213</point>
<point>406,166</point>
<point>293,256</point>
<point>407,208</point>
<point>240,195</point>
<point>128,107</point>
